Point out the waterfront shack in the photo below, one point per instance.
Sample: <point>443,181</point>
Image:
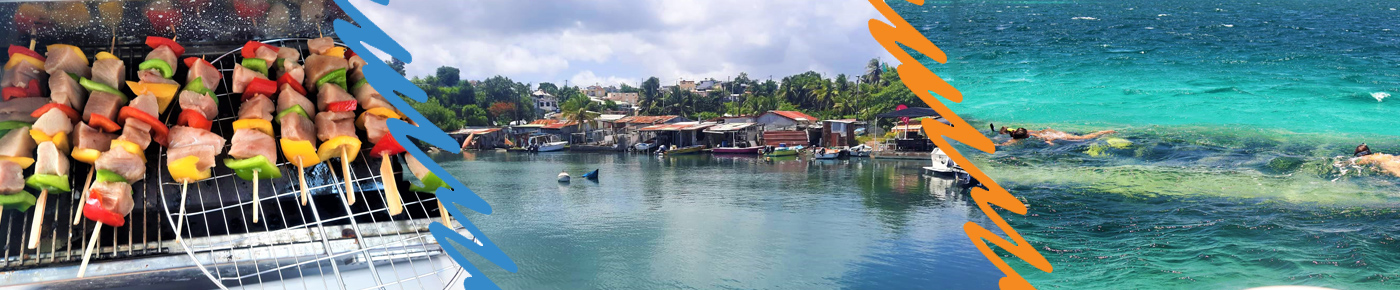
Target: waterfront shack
<point>787,128</point>
<point>630,127</point>
<point>840,133</point>
<point>733,135</point>
<point>563,129</point>
<point>785,120</point>
<point>908,140</point>
<point>683,134</point>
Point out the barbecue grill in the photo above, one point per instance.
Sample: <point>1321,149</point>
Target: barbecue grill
<point>327,244</point>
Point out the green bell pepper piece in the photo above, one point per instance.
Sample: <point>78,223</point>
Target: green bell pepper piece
<point>109,176</point>
<point>197,86</point>
<point>165,70</point>
<point>336,77</point>
<point>245,167</point>
<point>94,86</point>
<point>256,64</point>
<point>20,201</point>
<point>358,84</point>
<point>294,109</point>
<point>277,64</point>
<point>431,183</point>
<point>58,183</point>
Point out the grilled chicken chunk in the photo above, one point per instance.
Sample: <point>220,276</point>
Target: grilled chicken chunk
<point>11,177</point>
<point>330,93</point>
<point>17,143</point>
<point>206,73</point>
<point>103,104</point>
<point>259,107</point>
<point>114,196</point>
<point>48,160</point>
<point>164,53</point>
<point>290,97</point>
<point>63,89</point>
<point>119,161</point>
<point>87,137</point>
<point>52,122</point>
<point>334,124</point>
<point>190,100</point>
<point>320,45</point>
<point>247,143</point>
<point>20,109</point>
<point>110,72</point>
<point>65,61</point>
<point>296,127</point>
<point>187,141</point>
<point>242,76</point>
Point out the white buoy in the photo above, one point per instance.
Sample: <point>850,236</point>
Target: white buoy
<point>564,177</point>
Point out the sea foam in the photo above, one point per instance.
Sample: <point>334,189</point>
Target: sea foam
<point>1380,96</point>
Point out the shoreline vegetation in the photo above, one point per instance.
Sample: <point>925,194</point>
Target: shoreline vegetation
<point>454,103</point>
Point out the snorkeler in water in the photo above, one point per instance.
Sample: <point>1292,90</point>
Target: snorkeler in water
<point>1049,135</point>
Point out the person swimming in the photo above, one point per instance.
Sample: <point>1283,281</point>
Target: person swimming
<point>1049,135</point>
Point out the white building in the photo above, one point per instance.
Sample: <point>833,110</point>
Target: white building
<point>545,102</point>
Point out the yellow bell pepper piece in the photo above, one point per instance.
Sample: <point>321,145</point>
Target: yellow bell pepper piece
<point>129,147</point>
<point>261,125</point>
<point>164,93</point>
<point>86,155</point>
<point>336,52</point>
<point>293,149</point>
<point>332,147</point>
<point>183,170</point>
<point>60,139</point>
<point>24,162</point>
<point>106,55</point>
<point>75,49</point>
<point>17,58</point>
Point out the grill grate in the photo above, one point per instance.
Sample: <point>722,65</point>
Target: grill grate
<point>312,245</point>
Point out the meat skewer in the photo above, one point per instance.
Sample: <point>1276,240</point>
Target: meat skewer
<point>294,118</point>
<point>377,112</point>
<point>94,136</point>
<point>53,127</point>
<point>253,150</point>
<point>335,126</point>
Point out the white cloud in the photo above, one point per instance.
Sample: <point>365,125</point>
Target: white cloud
<point>626,41</point>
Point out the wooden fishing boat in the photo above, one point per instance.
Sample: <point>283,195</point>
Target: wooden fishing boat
<point>738,150</point>
<point>685,150</point>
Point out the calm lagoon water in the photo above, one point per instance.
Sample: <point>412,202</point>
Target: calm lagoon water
<point>705,222</point>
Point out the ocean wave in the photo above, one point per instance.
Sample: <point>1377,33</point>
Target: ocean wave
<point>1380,96</point>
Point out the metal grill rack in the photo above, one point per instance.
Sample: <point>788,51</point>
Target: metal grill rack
<point>326,244</point>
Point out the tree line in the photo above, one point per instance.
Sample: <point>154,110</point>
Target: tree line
<point>455,103</point>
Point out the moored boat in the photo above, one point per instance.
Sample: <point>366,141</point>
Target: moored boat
<point>826,153</point>
<point>551,146</point>
<point>738,150</point>
<point>861,150</point>
<point>685,150</point>
<point>784,151</point>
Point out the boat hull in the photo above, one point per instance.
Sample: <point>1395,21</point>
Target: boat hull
<point>684,151</point>
<point>551,147</point>
<point>738,150</point>
<point>779,153</point>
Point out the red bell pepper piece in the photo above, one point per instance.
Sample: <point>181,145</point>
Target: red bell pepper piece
<point>250,49</point>
<point>13,92</point>
<point>25,51</point>
<point>194,119</point>
<point>72,114</point>
<point>386,146</point>
<point>159,131</point>
<point>286,78</point>
<point>349,54</point>
<point>259,86</point>
<point>102,122</point>
<point>92,209</point>
<point>189,61</point>
<point>342,106</point>
<point>157,41</point>
<point>33,89</point>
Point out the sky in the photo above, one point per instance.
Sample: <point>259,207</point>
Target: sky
<point>609,42</point>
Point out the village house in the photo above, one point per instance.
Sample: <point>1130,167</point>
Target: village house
<point>840,133</point>
<point>545,102</point>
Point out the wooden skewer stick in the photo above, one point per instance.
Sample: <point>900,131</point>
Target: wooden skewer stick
<point>301,175</point>
<point>345,167</point>
<point>446,218</point>
<point>78,216</point>
<point>179,226</point>
<point>391,188</point>
<point>38,220</point>
<point>87,253</point>
<point>255,196</point>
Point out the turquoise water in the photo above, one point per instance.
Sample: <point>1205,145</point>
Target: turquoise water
<point>1240,117</point>
<point>702,222</point>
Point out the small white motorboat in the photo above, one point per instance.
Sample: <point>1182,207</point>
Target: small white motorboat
<point>826,153</point>
<point>942,164</point>
<point>552,146</point>
<point>564,177</point>
<point>643,147</point>
<point>861,150</point>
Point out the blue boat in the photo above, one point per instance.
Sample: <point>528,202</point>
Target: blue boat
<point>591,175</point>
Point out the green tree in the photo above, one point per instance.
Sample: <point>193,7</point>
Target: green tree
<point>582,110</point>
<point>398,66</point>
<point>650,96</point>
<point>549,88</point>
<point>448,76</point>
<point>472,115</point>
